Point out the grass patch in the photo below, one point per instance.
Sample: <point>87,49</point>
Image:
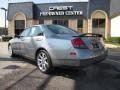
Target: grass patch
<point>113,40</point>
<point>6,38</point>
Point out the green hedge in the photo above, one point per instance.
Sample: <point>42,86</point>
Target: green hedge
<point>6,38</point>
<point>113,40</point>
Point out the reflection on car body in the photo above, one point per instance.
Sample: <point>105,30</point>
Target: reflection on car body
<point>56,45</point>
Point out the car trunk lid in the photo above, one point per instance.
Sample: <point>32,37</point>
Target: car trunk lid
<point>92,41</point>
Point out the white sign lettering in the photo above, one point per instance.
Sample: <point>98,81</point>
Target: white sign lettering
<point>52,13</point>
<point>60,11</point>
<point>59,8</point>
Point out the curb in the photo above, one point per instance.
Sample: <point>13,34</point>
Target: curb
<point>112,46</point>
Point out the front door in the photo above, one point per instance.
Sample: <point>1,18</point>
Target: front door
<point>31,41</point>
<point>24,36</point>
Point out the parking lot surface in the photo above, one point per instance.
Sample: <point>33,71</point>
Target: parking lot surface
<point>22,74</point>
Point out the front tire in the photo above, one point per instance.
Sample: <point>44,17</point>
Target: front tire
<point>44,61</point>
<point>10,51</point>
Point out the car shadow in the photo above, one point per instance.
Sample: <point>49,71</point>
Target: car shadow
<point>69,72</point>
<point>103,76</point>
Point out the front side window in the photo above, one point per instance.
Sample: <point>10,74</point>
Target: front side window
<point>25,33</point>
<point>61,22</point>
<point>98,23</point>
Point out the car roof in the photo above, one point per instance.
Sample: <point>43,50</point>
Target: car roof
<point>44,24</point>
<point>39,25</point>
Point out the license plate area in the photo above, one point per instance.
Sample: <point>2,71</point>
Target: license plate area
<point>96,43</point>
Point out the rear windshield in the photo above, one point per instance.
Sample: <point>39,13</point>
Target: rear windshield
<point>58,29</point>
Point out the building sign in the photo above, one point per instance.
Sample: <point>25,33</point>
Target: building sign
<point>60,10</point>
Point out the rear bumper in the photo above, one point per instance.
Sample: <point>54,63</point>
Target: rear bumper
<point>80,62</point>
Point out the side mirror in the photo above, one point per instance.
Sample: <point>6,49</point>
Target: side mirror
<point>16,36</point>
<point>40,34</point>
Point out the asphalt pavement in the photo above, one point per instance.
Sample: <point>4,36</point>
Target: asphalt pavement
<point>22,74</point>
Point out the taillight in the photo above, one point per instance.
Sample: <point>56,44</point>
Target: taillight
<point>78,43</point>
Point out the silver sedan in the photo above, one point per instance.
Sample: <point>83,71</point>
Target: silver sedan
<point>56,45</point>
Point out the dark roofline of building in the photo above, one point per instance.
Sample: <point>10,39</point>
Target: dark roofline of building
<point>115,14</point>
<point>59,3</point>
<point>20,2</point>
<point>46,3</point>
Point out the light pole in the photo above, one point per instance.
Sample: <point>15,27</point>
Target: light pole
<point>88,8</point>
<point>5,16</point>
<point>88,11</point>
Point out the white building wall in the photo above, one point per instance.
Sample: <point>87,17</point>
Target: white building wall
<point>115,27</point>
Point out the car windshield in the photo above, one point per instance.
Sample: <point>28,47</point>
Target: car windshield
<point>58,29</point>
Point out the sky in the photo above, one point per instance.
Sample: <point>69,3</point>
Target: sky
<point>4,3</point>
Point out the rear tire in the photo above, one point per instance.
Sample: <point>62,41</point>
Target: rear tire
<point>10,51</point>
<point>44,61</point>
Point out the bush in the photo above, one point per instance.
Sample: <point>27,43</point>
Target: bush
<point>113,40</point>
<point>6,38</point>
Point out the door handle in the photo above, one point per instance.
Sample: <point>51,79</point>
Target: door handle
<point>22,39</point>
<point>38,39</point>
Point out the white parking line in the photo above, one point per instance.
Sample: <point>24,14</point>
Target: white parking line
<point>113,61</point>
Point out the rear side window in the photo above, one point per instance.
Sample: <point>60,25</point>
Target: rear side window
<point>58,29</point>
<point>35,31</point>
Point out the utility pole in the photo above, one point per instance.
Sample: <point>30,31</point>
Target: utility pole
<point>88,8</point>
<point>88,11</point>
<point>5,16</point>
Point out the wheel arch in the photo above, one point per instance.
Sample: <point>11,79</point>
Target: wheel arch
<point>41,48</point>
<point>9,44</point>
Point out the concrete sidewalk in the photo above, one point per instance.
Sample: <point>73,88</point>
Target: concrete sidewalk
<point>112,46</point>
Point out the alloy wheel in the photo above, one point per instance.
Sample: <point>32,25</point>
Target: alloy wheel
<point>42,61</point>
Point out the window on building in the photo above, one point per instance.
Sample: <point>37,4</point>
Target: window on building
<point>19,26</point>
<point>41,21</point>
<point>61,22</point>
<point>98,23</point>
<point>80,25</point>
